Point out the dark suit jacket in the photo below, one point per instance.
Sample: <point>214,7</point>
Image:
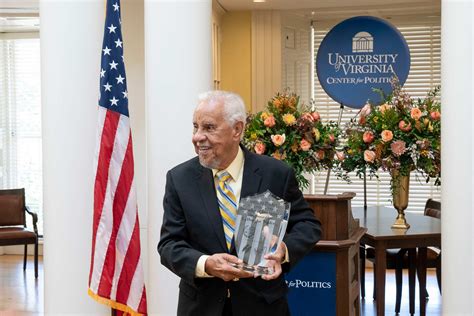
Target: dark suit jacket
<point>192,227</point>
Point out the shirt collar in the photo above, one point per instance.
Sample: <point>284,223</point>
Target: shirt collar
<point>235,166</point>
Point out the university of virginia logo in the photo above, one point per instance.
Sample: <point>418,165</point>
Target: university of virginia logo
<point>362,42</point>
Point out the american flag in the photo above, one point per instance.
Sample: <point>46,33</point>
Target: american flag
<point>116,272</point>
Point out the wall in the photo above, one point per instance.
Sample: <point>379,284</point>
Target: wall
<point>296,55</point>
<point>266,57</point>
<point>134,54</point>
<point>236,59</point>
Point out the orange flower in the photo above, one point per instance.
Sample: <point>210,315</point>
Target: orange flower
<point>276,103</point>
<point>259,148</point>
<point>319,155</point>
<point>289,119</point>
<point>315,116</point>
<point>316,134</point>
<point>415,113</point>
<point>386,135</point>
<point>269,121</point>
<point>307,117</point>
<point>368,137</point>
<point>305,145</point>
<point>435,115</point>
<point>404,126</point>
<point>340,155</point>
<point>369,156</point>
<point>278,155</point>
<point>384,107</point>
<point>398,148</point>
<point>278,139</point>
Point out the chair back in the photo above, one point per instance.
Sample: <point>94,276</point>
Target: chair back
<point>433,208</point>
<point>12,207</point>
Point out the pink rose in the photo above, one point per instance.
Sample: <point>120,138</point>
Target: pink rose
<point>415,113</point>
<point>259,148</point>
<point>305,145</point>
<point>315,116</point>
<point>435,115</point>
<point>369,156</point>
<point>331,138</point>
<point>365,110</point>
<point>386,135</point>
<point>340,155</point>
<point>319,155</point>
<point>404,126</point>
<point>398,148</point>
<point>269,121</point>
<point>307,117</point>
<point>278,140</point>
<point>368,137</point>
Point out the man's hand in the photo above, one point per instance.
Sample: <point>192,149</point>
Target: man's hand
<point>219,265</point>
<point>274,261</point>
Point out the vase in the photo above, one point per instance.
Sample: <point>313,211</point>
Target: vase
<point>400,187</point>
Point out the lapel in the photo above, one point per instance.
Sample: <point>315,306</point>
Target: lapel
<point>208,195</point>
<point>251,177</point>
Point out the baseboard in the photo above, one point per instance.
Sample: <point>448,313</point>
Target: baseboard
<point>19,249</point>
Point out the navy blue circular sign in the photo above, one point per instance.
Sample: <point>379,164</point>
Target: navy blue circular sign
<point>359,54</point>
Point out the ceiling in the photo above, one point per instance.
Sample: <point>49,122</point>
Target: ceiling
<point>330,9</point>
<point>21,15</point>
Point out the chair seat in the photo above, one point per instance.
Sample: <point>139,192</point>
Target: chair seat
<point>16,235</point>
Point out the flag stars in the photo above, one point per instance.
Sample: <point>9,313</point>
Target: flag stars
<point>116,6</point>
<point>113,101</point>
<point>125,94</point>
<point>118,43</point>
<point>102,73</point>
<point>106,51</point>
<point>120,79</point>
<point>111,28</point>
<point>113,65</point>
<point>107,87</point>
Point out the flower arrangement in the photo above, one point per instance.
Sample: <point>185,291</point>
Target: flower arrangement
<point>398,136</point>
<point>292,133</point>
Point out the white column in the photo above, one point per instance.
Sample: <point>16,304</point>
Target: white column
<point>457,156</point>
<point>178,68</point>
<point>71,40</point>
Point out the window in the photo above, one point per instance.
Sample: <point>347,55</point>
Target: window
<point>20,118</point>
<point>424,40</point>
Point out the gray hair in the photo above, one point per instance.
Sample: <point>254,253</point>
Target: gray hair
<point>234,107</point>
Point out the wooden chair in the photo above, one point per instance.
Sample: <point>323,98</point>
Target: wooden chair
<point>433,257</point>
<point>400,259</point>
<point>13,229</point>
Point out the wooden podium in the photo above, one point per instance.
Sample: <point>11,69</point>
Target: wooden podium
<point>341,234</point>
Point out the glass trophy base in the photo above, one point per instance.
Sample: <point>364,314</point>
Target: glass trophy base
<point>257,270</point>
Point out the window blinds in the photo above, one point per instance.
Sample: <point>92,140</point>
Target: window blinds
<point>424,41</point>
<point>20,119</point>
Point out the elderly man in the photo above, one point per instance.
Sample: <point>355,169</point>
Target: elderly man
<point>202,195</point>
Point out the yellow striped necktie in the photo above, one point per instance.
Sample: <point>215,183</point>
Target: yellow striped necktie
<point>227,205</point>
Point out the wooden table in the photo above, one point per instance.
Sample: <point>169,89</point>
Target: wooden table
<point>425,231</point>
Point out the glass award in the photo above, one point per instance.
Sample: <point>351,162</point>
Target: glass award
<point>259,229</point>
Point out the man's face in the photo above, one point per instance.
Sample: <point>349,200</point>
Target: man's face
<point>215,141</point>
